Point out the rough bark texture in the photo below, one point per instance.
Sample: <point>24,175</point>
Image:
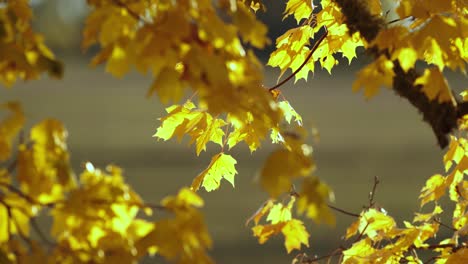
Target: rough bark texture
<point>442,117</point>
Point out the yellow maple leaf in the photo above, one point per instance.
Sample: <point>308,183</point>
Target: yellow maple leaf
<point>281,167</point>
<point>262,211</point>
<point>359,252</point>
<point>10,127</point>
<point>455,152</point>
<point>100,196</point>
<point>295,235</point>
<point>177,115</point>
<point>313,199</point>
<point>459,257</point>
<point>183,236</point>
<point>118,62</point>
<point>221,166</point>
<point>245,131</point>
<point>252,30</point>
<point>353,228</point>
<point>376,224</point>
<point>435,86</point>
<point>44,170</point>
<point>421,9</point>
<point>293,231</point>
<point>446,49</point>
<point>375,7</point>
<point>289,112</point>
<point>207,129</point>
<point>185,198</point>
<point>167,85</point>
<point>186,120</point>
<point>455,179</point>
<point>460,218</point>
<point>380,72</point>
<point>407,58</point>
<point>15,215</point>
<point>22,51</point>
<point>264,232</point>
<point>292,50</point>
<point>426,217</point>
<point>391,38</point>
<point>434,189</point>
<point>299,9</point>
<point>279,213</point>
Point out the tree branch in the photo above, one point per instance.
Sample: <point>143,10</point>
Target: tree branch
<point>342,211</point>
<point>442,117</point>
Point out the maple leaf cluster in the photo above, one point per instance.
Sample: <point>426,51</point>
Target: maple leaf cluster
<point>206,48</point>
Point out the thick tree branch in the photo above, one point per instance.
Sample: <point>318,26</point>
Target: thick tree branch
<point>442,117</point>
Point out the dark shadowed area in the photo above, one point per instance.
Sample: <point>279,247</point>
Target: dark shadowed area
<point>111,121</point>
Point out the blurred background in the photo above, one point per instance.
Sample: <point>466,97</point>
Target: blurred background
<point>111,121</point>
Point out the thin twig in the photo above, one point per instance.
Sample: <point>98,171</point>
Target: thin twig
<point>372,193</point>
<point>431,259</point>
<point>12,166</point>
<point>40,233</point>
<point>398,20</point>
<point>311,52</point>
<point>343,211</point>
<point>362,233</point>
<point>335,252</point>
<point>226,136</point>
<point>444,225</point>
<point>19,193</point>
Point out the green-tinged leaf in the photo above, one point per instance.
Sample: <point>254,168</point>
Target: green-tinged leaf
<point>187,120</point>
<point>289,112</point>
<point>221,167</point>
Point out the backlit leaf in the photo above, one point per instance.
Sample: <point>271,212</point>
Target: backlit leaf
<point>261,212</point>
<point>221,167</point>
<point>359,252</point>
<point>426,217</point>
<point>375,224</point>
<point>299,9</point>
<point>434,189</point>
<point>187,120</point>
<point>289,112</point>
<point>279,213</point>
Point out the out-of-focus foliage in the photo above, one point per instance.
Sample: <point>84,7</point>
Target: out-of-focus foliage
<point>23,54</point>
<point>206,48</point>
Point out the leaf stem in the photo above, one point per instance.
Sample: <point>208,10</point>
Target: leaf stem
<point>444,225</point>
<point>40,233</point>
<point>372,193</point>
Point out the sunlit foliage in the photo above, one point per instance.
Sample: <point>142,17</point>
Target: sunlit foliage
<point>206,49</point>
